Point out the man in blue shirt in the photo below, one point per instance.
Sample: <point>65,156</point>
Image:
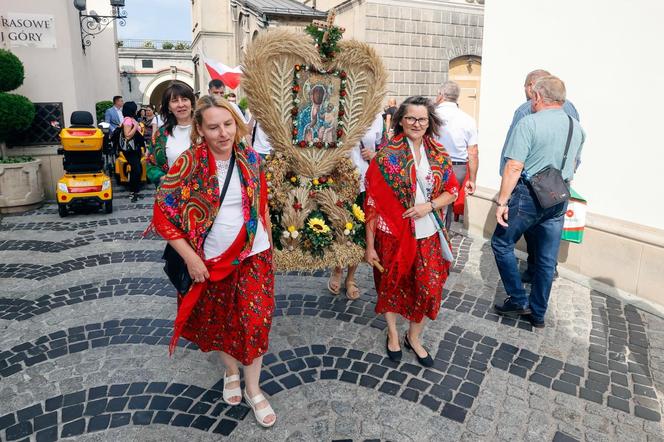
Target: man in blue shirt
<point>538,140</point>
<point>113,115</point>
<point>522,111</point>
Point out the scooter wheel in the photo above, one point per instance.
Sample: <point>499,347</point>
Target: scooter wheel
<point>108,206</point>
<point>62,210</point>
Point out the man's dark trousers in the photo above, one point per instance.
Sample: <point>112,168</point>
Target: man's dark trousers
<point>545,227</point>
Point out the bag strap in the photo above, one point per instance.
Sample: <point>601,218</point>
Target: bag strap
<point>569,139</point>
<point>445,247</point>
<point>227,181</point>
<point>253,134</point>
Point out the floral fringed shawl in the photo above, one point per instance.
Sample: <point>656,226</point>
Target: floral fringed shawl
<point>391,186</point>
<point>187,203</point>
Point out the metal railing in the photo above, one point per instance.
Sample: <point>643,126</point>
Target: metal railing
<point>174,45</point>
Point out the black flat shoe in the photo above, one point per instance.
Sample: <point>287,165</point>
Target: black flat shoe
<point>395,356</point>
<point>426,361</point>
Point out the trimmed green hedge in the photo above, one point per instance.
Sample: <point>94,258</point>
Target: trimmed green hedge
<point>16,114</point>
<point>11,71</point>
<point>101,107</point>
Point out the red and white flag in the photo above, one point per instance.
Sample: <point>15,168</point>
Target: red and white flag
<point>219,71</point>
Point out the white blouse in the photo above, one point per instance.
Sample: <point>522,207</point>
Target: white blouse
<point>370,140</point>
<point>230,219</point>
<point>178,141</point>
<point>424,227</point>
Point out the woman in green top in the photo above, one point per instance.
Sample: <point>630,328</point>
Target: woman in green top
<point>174,137</point>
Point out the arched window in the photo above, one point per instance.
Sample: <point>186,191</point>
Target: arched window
<point>466,71</point>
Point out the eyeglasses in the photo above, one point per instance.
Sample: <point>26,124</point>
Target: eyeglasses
<point>420,121</point>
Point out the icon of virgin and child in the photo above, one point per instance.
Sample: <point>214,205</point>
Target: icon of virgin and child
<point>317,119</point>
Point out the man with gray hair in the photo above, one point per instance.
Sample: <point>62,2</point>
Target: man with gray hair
<point>459,136</point>
<point>523,110</point>
<point>539,141</point>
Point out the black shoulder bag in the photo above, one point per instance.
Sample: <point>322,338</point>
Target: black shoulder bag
<point>175,267</point>
<point>548,184</point>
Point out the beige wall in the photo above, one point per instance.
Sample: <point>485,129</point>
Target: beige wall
<point>620,173</point>
<point>212,35</point>
<point>65,74</point>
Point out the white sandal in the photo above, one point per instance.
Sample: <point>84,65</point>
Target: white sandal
<point>263,412</point>
<point>228,393</point>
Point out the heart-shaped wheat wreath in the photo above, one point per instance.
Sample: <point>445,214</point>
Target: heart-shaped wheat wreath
<point>314,110</point>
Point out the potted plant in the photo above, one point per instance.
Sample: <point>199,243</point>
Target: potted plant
<point>20,177</point>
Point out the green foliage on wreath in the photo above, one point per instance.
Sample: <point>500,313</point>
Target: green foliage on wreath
<point>330,47</point>
<point>316,241</point>
<point>277,229</point>
<point>359,234</point>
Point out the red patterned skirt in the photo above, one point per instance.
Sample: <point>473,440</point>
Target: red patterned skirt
<point>421,291</point>
<point>235,315</point>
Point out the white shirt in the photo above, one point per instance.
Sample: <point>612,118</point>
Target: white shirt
<point>230,219</point>
<point>178,141</point>
<point>370,139</point>
<point>260,142</point>
<point>119,111</point>
<point>424,227</point>
<point>458,132</point>
<point>238,111</point>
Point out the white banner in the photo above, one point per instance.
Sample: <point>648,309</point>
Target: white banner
<point>27,30</point>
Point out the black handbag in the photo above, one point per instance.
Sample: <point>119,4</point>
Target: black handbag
<point>174,266</point>
<point>548,184</point>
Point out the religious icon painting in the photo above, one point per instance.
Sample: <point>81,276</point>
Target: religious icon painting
<point>317,105</point>
<point>314,96</point>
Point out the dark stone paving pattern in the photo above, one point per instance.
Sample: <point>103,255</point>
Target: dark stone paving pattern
<point>617,376</point>
<point>461,362</point>
<point>22,309</point>
<point>64,226</point>
<point>39,272</point>
<point>51,210</point>
<point>111,406</point>
<point>61,246</point>
<point>449,388</point>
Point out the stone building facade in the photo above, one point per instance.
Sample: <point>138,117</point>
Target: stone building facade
<point>145,72</point>
<point>223,29</point>
<point>422,42</point>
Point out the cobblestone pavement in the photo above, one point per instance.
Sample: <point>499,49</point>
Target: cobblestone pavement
<point>86,315</point>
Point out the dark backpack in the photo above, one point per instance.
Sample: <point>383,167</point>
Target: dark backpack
<point>122,144</point>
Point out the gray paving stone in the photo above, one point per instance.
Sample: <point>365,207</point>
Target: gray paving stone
<point>506,406</point>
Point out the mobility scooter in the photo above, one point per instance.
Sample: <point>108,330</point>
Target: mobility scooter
<point>84,181</point>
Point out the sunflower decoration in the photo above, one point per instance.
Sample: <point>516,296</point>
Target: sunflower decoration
<point>358,213</point>
<point>317,233</point>
<point>318,226</point>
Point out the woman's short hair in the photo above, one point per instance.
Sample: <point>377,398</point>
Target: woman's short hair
<point>208,101</point>
<point>550,88</point>
<point>129,109</point>
<point>174,90</point>
<point>435,121</point>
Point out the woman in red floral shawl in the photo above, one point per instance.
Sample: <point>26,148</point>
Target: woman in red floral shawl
<point>227,248</point>
<point>408,179</point>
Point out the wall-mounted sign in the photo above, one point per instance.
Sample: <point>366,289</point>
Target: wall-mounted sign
<point>27,30</point>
